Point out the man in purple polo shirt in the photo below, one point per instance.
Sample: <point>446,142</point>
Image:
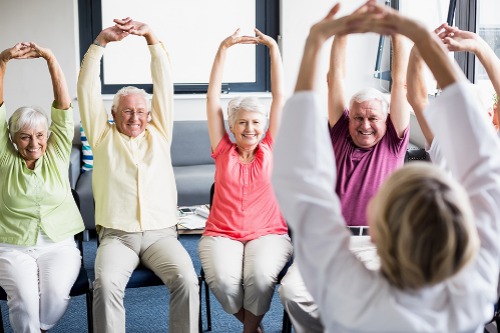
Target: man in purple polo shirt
<point>369,144</point>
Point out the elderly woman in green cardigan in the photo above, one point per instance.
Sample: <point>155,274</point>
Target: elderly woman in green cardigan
<point>39,260</point>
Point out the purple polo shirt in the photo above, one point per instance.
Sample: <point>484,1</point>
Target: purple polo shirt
<point>361,171</point>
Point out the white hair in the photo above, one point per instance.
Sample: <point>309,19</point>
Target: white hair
<point>370,94</point>
<point>130,90</point>
<point>250,103</point>
<point>27,117</point>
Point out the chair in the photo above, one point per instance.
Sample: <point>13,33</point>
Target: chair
<point>287,323</point>
<point>82,285</point>
<point>144,277</point>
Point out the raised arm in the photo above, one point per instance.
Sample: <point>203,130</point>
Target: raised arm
<point>62,99</point>
<point>92,111</point>
<point>162,102</point>
<point>336,80</point>
<point>459,40</point>
<point>417,92</point>
<point>215,117</point>
<point>137,28</point>
<point>400,109</point>
<point>277,82</point>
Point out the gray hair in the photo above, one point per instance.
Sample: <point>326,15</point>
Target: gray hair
<point>130,90</point>
<point>250,103</point>
<point>370,94</point>
<point>27,117</point>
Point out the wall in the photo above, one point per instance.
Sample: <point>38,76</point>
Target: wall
<point>54,24</point>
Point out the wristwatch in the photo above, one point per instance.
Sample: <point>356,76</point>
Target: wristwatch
<point>96,42</point>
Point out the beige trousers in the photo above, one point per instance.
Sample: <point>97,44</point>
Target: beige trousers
<point>119,253</point>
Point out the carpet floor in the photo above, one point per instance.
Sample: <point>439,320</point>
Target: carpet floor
<point>147,308</point>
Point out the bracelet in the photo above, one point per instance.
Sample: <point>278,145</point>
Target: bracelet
<point>96,42</point>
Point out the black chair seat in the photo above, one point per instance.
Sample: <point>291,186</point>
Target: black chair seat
<point>143,277</point>
<point>82,284</point>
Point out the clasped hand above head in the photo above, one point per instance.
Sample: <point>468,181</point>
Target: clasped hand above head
<point>25,50</point>
<point>370,17</point>
<point>236,38</point>
<point>123,28</point>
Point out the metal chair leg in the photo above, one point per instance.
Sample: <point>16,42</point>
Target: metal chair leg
<point>287,323</point>
<point>203,284</point>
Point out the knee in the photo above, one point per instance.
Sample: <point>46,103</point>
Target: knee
<point>108,285</point>
<point>187,280</point>
<point>286,293</point>
<point>224,283</point>
<point>260,281</point>
<point>57,293</point>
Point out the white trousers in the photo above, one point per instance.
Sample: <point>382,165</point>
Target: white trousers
<point>298,302</point>
<point>37,281</point>
<point>244,274</point>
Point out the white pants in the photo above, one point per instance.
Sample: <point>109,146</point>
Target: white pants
<point>297,300</point>
<point>243,275</point>
<point>37,281</point>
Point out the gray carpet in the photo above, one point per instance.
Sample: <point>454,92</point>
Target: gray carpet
<point>147,308</point>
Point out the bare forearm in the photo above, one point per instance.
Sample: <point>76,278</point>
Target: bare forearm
<point>417,92</point>
<point>59,86</point>
<point>337,58</point>
<point>308,67</point>
<point>435,56</point>
<point>151,38</point>
<point>277,76</point>
<point>215,83</point>
<point>399,60</point>
<point>491,64</point>
<point>277,89</point>
<point>3,67</point>
<point>336,78</point>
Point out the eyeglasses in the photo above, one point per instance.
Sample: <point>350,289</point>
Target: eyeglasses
<point>140,114</point>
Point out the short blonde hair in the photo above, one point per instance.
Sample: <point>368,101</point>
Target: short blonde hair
<point>250,104</point>
<point>423,226</point>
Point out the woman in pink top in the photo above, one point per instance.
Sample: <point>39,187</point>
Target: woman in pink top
<point>245,243</point>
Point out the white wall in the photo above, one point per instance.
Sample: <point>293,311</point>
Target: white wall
<point>54,24</point>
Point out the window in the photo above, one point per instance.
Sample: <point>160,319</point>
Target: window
<point>192,31</point>
<point>480,17</point>
<point>488,27</point>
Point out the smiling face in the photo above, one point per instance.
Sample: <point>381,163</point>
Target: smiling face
<point>31,144</point>
<point>131,114</point>
<point>367,123</point>
<point>248,128</point>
